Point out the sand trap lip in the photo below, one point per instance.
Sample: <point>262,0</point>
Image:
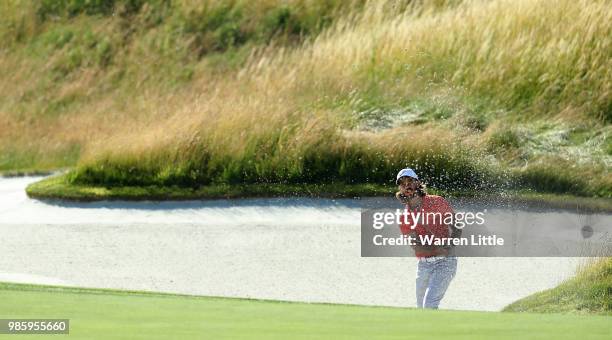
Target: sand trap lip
<point>296,250</point>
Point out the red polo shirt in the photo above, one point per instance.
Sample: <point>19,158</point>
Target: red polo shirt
<point>428,223</point>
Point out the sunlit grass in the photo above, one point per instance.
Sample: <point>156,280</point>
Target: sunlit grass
<point>590,291</point>
<point>152,108</point>
<point>115,314</point>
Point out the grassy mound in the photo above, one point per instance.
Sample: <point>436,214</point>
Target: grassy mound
<point>110,314</point>
<point>58,188</point>
<point>181,93</point>
<point>590,291</point>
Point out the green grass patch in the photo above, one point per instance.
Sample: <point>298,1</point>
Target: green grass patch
<point>109,314</point>
<point>505,138</point>
<point>556,175</point>
<point>590,291</point>
<point>59,187</point>
<point>328,157</point>
<point>561,201</point>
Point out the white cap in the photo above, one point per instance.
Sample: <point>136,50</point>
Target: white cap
<point>406,173</point>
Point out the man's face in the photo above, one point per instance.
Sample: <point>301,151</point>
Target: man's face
<point>408,186</point>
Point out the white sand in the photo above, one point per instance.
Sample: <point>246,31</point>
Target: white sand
<point>305,250</point>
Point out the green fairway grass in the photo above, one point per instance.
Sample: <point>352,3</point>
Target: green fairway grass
<point>106,314</point>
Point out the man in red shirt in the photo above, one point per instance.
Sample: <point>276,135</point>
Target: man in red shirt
<point>425,222</point>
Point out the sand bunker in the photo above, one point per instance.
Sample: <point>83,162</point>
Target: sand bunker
<point>298,250</point>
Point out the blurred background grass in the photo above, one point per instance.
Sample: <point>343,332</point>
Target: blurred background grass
<point>473,94</point>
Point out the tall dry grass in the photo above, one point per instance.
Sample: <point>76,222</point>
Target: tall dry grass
<point>540,56</point>
<point>289,113</point>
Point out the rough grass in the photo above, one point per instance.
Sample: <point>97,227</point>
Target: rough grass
<point>59,188</point>
<point>590,291</point>
<point>110,314</point>
<point>189,93</point>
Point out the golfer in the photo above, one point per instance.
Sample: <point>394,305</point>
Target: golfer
<point>436,267</point>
